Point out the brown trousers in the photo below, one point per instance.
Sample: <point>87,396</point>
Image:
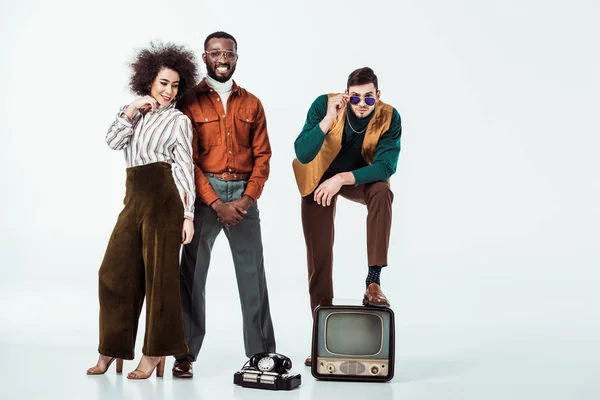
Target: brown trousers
<point>142,259</point>
<point>318,225</point>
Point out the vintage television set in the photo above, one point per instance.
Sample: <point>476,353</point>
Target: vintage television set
<point>352,342</point>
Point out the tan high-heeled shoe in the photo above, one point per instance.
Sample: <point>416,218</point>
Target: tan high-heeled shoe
<point>139,374</point>
<point>95,370</point>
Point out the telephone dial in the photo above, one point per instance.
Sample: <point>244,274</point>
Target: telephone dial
<point>267,371</point>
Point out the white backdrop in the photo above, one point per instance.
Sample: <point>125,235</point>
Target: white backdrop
<point>497,198</point>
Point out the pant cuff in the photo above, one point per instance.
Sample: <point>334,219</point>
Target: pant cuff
<point>124,354</point>
<point>161,353</point>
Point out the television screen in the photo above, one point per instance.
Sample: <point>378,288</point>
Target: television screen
<point>353,333</point>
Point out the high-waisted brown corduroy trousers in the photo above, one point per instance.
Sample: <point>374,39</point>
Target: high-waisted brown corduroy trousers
<point>318,226</point>
<point>142,259</point>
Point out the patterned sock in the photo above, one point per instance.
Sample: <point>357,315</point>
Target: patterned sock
<point>373,275</point>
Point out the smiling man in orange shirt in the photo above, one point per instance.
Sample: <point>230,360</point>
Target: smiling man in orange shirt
<point>231,152</point>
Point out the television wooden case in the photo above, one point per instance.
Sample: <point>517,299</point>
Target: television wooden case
<point>353,342</point>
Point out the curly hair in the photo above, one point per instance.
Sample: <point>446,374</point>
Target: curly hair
<point>148,62</point>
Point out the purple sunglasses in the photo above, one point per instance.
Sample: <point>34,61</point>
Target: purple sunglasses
<point>354,100</point>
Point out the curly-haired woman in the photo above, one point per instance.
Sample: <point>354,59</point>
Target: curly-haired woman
<point>142,257</point>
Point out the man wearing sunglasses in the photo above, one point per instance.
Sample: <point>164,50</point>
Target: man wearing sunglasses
<point>349,146</point>
<point>231,154</point>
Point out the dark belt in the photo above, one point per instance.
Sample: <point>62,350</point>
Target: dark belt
<point>230,176</point>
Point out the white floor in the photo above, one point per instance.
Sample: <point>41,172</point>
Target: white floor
<point>510,372</point>
<point>500,348</point>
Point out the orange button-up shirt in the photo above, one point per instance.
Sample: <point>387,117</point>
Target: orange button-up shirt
<point>235,141</point>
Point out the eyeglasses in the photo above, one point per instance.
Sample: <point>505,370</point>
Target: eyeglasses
<point>354,100</point>
<point>216,54</point>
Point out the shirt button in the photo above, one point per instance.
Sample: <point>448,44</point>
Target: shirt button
<point>205,119</point>
<point>223,115</point>
<point>218,99</point>
<point>229,169</point>
<point>230,152</point>
<point>247,120</point>
<point>211,90</point>
<point>228,133</point>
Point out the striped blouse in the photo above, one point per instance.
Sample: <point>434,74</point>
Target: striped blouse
<point>163,135</point>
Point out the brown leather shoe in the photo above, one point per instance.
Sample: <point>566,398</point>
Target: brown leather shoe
<point>183,369</point>
<point>308,361</point>
<point>375,297</point>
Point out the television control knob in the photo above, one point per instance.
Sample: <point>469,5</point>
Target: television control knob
<point>374,369</point>
<point>331,368</point>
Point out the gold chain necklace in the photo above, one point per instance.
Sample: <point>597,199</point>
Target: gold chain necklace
<point>351,127</point>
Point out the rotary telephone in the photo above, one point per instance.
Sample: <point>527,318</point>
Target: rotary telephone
<point>267,371</point>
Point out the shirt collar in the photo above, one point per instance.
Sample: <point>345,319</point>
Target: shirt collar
<point>162,109</point>
<point>203,86</point>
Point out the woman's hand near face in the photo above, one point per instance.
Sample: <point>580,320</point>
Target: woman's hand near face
<point>143,104</point>
<point>188,231</point>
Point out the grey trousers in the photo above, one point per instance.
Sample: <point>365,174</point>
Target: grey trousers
<point>246,247</point>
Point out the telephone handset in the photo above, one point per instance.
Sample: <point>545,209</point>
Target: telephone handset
<point>270,362</point>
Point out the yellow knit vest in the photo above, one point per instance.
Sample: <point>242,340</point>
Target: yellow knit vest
<point>308,175</point>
